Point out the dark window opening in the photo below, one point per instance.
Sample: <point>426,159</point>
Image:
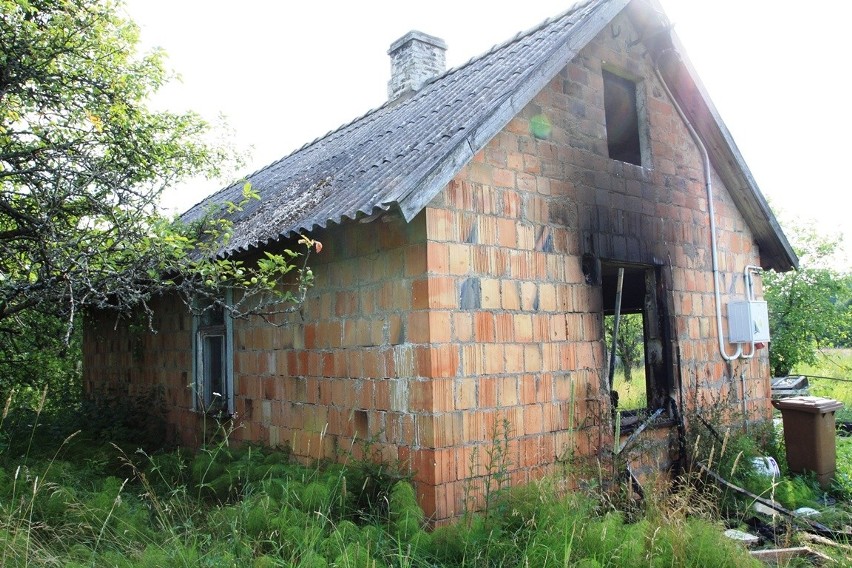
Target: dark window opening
<point>622,119</point>
<point>213,369</point>
<point>213,380</point>
<point>213,315</point>
<point>361,424</point>
<point>642,338</point>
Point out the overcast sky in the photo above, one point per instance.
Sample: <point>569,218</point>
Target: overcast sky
<point>285,73</point>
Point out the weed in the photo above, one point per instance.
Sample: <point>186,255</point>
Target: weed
<point>250,506</point>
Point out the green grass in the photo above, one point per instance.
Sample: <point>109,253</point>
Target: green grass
<point>172,510</point>
<point>832,364</point>
<point>835,363</point>
<point>634,394</point>
<point>80,502</point>
<point>83,503</point>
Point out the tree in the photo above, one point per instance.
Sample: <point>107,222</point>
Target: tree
<point>809,308</point>
<point>83,161</point>
<point>631,341</point>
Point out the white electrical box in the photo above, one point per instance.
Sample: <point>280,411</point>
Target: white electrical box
<point>748,322</point>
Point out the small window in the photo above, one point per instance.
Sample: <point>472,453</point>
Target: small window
<point>213,369</point>
<point>622,119</point>
<point>643,374</point>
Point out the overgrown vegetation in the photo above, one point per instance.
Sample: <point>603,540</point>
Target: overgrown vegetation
<point>83,161</point>
<point>74,501</point>
<point>254,507</point>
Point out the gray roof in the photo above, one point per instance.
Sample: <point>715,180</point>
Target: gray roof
<point>403,153</point>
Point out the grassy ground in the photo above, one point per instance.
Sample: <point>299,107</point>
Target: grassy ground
<point>253,507</point>
<point>81,502</point>
<point>835,364</point>
<point>632,394</point>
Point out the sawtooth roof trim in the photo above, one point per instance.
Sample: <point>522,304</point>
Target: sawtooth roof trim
<point>405,152</point>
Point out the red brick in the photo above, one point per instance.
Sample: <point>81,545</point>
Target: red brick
<point>462,326</point>
<point>466,393</point>
<point>484,327</point>
<point>473,360</point>
<point>532,358</point>
<point>487,393</point>
<point>415,260</point>
<point>509,297</point>
<point>529,294</point>
<point>418,327</point>
<point>507,232</point>
<point>512,204</point>
<point>523,325</point>
<point>437,258</point>
<point>515,359</point>
<point>507,391</point>
<point>504,327</point>
<point>442,292</point>
<point>444,360</point>
<point>440,326</point>
<point>494,359</point>
<point>490,293</point>
<point>420,294</point>
<point>459,258</point>
<point>440,224</point>
<point>527,389</point>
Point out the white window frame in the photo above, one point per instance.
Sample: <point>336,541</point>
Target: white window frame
<point>202,391</point>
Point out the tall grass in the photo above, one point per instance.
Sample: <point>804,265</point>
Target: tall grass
<point>632,394</point>
<point>91,504</point>
<point>85,503</point>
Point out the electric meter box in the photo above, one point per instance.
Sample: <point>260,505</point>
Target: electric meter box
<point>748,322</point>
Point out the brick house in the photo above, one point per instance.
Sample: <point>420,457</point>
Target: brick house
<point>473,230</point>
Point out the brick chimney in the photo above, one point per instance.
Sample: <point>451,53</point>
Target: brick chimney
<point>415,59</point>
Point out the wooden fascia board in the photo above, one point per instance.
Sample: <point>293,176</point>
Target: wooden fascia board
<point>434,179</point>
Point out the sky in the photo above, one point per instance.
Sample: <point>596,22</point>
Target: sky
<point>283,73</point>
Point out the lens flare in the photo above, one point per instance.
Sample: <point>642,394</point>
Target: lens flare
<point>540,127</point>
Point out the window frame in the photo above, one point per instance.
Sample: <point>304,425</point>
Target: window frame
<point>202,389</point>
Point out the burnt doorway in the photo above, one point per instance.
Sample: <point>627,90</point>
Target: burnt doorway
<point>643,378</point>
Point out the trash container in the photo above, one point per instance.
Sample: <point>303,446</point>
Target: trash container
<point>809,435</point>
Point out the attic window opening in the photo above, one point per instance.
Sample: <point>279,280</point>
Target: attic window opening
<point>622,111</point>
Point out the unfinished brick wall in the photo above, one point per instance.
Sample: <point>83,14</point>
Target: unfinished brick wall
<point>122,357</point>
<point>342,369</point>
